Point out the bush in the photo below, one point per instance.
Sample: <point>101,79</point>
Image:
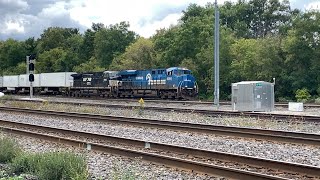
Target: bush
<point>302,95</point>
<point>6,97</point>
<point>51,166</point>
<point>9,149</point>
<point>317,100</point>
<point>284,99</point>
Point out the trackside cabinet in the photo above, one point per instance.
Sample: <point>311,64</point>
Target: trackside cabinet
<point>252,96</point>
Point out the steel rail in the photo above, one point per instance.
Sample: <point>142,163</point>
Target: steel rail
<point>161,159</point>
<point>273,135</point>
<point>262,115</point>
<point>195,102</point>
<point>267,163</point>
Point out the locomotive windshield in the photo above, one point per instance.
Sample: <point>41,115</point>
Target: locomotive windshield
<point>182,72</point>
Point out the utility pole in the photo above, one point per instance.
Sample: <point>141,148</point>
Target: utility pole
<point>216,56</point>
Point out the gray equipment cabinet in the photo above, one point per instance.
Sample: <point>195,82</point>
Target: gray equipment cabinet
<point>252,96</point>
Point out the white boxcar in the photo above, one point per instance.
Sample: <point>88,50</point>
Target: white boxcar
<point>1,82</point>
<point>10,81</point>
<point>24,80</point>
<point>59,79</point>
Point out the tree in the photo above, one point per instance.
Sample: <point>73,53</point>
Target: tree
<point>14,70</point>
<point>54,37</point>
<point>51,61</point>
<point>139,55</point>
<point>12,52</point>
<point>73,50</point>
<point>89,66</point>
<point>87,46</point>
<point>112,41</point>
<point>256,18</point>
<point>302,48</point>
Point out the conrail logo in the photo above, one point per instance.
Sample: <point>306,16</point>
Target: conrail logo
<point>154,81</point>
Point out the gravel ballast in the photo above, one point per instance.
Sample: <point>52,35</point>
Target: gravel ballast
<point>108,166</point>
<point>297,153</point>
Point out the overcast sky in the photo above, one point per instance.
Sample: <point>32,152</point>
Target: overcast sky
<point>21,19</point>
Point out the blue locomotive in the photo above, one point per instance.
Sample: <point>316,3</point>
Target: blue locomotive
<point>173,83</point>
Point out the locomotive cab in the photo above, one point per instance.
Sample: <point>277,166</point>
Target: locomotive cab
<point>183,80</point>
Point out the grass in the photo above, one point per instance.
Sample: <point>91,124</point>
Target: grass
<point>51,166</point>
<point>45,166</point>
<point>5,98</point>
<point>128,173</point>
<point>9,149</point>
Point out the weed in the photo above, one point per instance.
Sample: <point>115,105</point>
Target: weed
<point>53,166</point>
<point>9,149</point>
<point>129,173</point>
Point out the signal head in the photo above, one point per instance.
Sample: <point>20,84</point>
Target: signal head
<point>31,77</point>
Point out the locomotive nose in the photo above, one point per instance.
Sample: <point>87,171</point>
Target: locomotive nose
<point>188,81</point>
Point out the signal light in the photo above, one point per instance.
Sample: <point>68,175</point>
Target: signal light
<point>31,67</point>
<point>31,77</point>
<point>32,57</point>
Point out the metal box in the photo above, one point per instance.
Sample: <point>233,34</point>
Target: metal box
<point>1,82</point>
<point>60,79</point>
<point>10,81</point>
<point>24,80</point>
<point>253,96</point>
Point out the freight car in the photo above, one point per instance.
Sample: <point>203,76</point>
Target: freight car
<point>173,83</point>
<point>44,83</point>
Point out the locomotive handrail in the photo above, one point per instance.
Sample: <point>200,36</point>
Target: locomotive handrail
<point>180,86</point>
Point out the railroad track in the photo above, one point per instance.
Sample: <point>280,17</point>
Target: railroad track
<point>263,134</point>
<point>262,115</point>
<point>155,156</point>
<point>210,103</point>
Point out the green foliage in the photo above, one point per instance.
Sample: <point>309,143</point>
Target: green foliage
<point>259,40</point>
<point>90,66</point>
<point>9,149</point>
<point>284,99</point>
<point>51,61</point>
<point>302,95</point>
<point>139,55</point>
<point>55,37</point>
<point>111,41</point>
<point>51,166</point>
<point>14,70</point>
<point>317,100</point>
<point>256,18</point>
<point>318,90</point>
<point>12,52</point>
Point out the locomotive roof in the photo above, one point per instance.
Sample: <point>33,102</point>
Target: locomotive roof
<point>176,68</point>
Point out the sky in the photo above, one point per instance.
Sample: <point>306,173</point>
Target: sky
<point>21,19</point>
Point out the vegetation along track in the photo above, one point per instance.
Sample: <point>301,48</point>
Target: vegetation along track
<point>302,118</point>
<point>261,115</point>
<point>185,163</point>
<point>210,103</point>
<point>152,100</point>
<point>274,135</point>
